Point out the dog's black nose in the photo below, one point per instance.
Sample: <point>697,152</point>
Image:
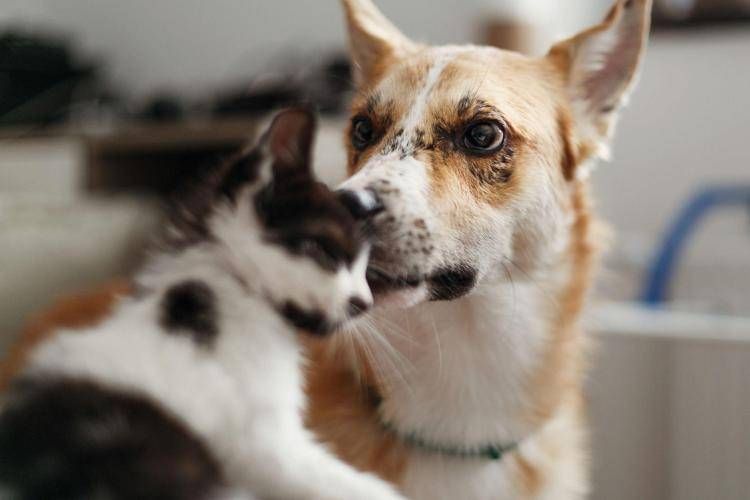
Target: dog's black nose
<point>363,204</point>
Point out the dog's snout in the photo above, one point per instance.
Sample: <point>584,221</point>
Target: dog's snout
<point>362,203</point>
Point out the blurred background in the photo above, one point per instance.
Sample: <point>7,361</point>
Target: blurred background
<point>108,107</point>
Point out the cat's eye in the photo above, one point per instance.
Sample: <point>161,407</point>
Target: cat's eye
<point>318,251</point>
<point>363,132</point>
<point>483,137</point>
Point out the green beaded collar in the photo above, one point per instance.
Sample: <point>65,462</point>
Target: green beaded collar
<point>491,451</point>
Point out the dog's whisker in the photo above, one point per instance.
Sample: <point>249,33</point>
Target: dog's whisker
<point>436,334</point>
<point>545,292</point>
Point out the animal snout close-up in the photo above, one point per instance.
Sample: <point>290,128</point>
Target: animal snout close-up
<point>363,204</point>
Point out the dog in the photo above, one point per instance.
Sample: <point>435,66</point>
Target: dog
<point>471,164</point>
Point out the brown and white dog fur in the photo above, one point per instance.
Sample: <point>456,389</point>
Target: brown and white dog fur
<point>487,257</point>
<point>509,237</point>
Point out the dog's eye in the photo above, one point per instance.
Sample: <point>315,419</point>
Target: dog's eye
<point>483,137</point>
<point>363,132</point>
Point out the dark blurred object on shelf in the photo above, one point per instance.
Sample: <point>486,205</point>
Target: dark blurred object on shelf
<point>40,79</point>
<point>160,156</point>
<point>258,99</point>
<point>330,90</point>
<point>508,34</point>
<point>693,13</point>
<point>43,81</point>
<point>325,87</point>
<point>163,108</point>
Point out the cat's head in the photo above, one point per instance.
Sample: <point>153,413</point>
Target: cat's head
<point>287,234</point>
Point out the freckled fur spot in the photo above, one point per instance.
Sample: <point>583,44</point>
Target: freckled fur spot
<point>190,307</point>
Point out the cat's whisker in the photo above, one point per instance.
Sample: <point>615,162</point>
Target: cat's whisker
<point>398,362</point>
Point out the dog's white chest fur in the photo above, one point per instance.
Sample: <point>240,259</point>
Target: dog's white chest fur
<point>479,352</point>
<point>441,478</point>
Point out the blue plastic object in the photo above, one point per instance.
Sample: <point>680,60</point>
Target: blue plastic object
<point>661,271</point>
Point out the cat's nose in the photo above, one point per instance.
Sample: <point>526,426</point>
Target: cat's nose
<point>362,203</point>
<point>357,306</point>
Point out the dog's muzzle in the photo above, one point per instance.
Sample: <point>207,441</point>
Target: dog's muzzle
<point>362,203</point>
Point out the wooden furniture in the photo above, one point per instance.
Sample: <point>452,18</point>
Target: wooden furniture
<point>152,157</point>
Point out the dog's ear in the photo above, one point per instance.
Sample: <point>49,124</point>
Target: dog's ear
<point>600,66</point>
<point>374,41</point>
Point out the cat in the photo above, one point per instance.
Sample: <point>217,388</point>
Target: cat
<point>192,389</point>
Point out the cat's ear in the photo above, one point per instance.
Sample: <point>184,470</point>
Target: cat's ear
<point>284,150</point>
<point>289,142</point>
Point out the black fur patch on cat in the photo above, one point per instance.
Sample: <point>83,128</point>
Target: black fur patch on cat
<point>296,210</point>
<point>190,307</point>
<point>313,322</point>
<point>192,208</point>
<point>242,172</point>
<point>67,439</point>
<point>453,283</point>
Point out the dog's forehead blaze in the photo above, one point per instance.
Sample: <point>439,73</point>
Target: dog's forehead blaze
<point>525,90</point>
<point>524,93</point>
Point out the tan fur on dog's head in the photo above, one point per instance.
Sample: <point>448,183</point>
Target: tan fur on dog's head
<point>472,150</point>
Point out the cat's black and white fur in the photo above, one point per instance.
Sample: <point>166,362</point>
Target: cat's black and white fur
<point>192,389</point>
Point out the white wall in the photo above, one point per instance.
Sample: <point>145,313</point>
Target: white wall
<point>687,126</point>
<point>190,45</point>
<point>193,44</point>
